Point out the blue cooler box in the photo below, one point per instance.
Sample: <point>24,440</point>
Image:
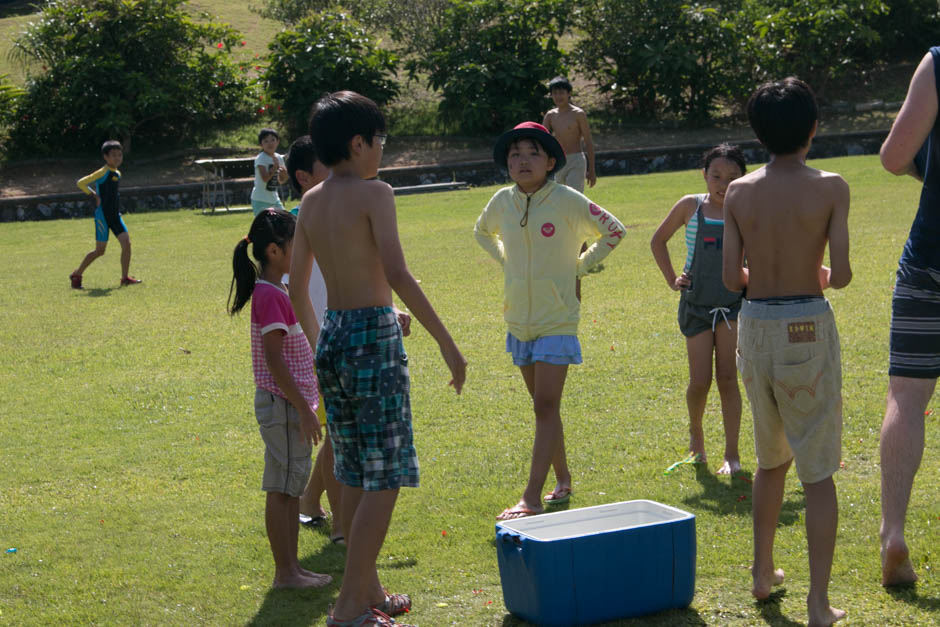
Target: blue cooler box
<point>597,564</point>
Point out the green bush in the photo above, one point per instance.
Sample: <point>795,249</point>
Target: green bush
<point>123,69</point>
<point>816,40</point>
<point>908,28</point>
<point>324,53</point>
<point>655,56</point>
<point>10,95</point>
<point>679,58</point>
<point>491,61</point>
<point>291,12</point>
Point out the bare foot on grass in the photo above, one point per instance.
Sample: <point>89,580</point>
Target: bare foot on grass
<point>309,574</point>
<point>763,582</point>
<point>896,567</point>
<point>825,617</point>
<point>303,581</point>
<point>697,447</point>
<point>730,467</point>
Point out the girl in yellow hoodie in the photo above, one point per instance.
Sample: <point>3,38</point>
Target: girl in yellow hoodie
<point>535,230</point>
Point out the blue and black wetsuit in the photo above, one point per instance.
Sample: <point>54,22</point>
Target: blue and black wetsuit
<point>104,182</point>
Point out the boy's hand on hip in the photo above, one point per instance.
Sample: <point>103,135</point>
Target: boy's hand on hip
<point>404,321</point>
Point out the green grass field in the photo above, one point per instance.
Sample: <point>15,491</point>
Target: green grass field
<point>132,463</point>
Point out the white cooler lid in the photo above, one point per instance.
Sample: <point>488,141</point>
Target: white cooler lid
<point>592,520</point>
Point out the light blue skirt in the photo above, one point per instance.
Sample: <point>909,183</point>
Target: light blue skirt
<point>560,350</point>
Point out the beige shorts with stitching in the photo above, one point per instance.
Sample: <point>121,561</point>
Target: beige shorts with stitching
<point>790,362</point>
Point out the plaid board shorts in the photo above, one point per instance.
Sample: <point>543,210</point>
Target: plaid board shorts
<point>915,324</point>
<point>363,371</point>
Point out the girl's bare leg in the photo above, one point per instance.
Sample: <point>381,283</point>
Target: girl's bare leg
<point>700,348</point>
<point>726,376</point>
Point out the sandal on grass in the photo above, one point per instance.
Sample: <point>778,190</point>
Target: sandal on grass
<point>312,521</point>
<point>338,539</point>
<point>394,604</point>
<point>372,618</point>
<point>516,511</point>
<point>558,496</point>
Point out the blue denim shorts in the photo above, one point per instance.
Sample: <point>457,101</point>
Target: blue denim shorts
<point>561,350</point>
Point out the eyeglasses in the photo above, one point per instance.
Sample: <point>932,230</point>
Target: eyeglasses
<point>382,138</point>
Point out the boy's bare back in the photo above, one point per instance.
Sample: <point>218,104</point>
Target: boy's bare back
<point>350,225</point>
<point>780,218</point>
<point>568,127</point>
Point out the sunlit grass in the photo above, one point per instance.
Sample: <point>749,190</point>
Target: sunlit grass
<point>132,464</point>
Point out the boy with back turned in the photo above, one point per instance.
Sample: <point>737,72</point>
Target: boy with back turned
<point>780,218</point>
<point>348,224</point>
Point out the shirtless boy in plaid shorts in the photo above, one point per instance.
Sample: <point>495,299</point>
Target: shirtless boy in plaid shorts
<point>348,223</point>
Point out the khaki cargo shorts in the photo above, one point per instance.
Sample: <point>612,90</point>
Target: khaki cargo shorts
<point>287,455</point>
<point>790,362</point>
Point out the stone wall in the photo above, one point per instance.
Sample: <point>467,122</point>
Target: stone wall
<point>477,173</point>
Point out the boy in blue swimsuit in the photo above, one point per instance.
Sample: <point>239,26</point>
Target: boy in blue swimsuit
<point>102,185</point>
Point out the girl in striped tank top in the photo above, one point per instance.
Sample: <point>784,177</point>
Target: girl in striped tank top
<point>707,311</point>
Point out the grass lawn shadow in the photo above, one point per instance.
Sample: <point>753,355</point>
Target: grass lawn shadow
<point>770,610</point>
<point>908,594</point>
<point>685,616</point>
<point>734,499</point>
<point>98,292</point>
<point>294,608</point>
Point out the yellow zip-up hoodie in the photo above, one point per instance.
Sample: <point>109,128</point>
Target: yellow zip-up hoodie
<point>539,253</point>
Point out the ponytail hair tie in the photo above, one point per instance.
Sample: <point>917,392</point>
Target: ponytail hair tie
<point>247,239</point>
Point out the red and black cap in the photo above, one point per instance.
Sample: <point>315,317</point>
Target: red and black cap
<point>529,130</point>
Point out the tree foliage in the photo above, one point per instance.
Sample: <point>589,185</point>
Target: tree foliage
<point>658,55</point>
<point>123,69</point>
<point>682,58</point>
<point>290,12</point>
<point>324,53</point>
<point>10,95</point>
<point>816,40</point>
<point>907,29</point>
<point>491,61</point>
